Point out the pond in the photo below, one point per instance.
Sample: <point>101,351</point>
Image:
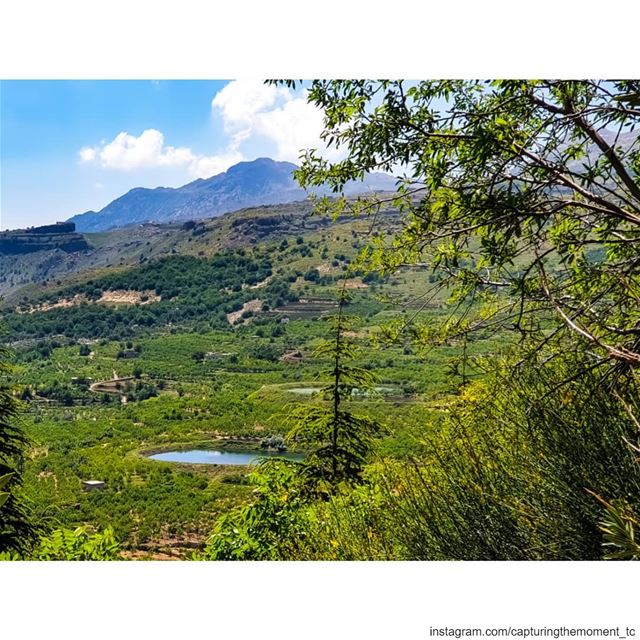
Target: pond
<point>212,456</point>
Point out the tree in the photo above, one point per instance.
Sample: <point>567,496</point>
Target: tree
<point>521,195</point>
<point>504,476</point>
<point>17,530</point>
<point>341,439</point>
<point>523,198</point>
<point>269,527</point>
<point>275,524</point>
<point>4,483</point>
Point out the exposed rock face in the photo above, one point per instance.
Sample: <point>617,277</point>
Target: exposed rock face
<point>53,236</point>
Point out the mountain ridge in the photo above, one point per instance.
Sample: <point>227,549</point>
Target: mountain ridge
<point>254,183</point>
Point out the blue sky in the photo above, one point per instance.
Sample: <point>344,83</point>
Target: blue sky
<point>70,146</point>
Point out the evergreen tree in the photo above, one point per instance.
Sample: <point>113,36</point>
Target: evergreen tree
<point>275,524</point>
<point>342,439</point>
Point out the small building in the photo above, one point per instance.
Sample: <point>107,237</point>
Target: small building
<point>92,485</point>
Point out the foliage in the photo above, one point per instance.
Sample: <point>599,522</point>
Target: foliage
<point>460,476</point>
<point>17,529</point>
<point>78,544</point>
<point>140,391</point>
<point>341,440</point>
<point>62,393</point>
<point>191,290</point>
<point>275,523</point>
<point>4,482</point>
<point>509,475</point>
<point>618,526</point>
<point>68,544</point>
<point>521,194</point>
<point>264,529</point>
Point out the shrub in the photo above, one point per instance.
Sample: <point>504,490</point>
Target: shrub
<point>68,544</point>
<point>511,474</point>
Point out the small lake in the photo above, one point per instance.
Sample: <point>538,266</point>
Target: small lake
<point>211,456</point>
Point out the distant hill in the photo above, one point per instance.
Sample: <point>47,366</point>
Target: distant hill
<point>247,184</point>
<point>118,249</point>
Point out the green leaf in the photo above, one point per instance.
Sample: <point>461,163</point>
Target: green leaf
<point>5,479</point>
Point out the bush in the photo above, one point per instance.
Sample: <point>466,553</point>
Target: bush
<point>313,275</point>
<point>68,544</point>
<point>264,529</point>
<point>519,470</point>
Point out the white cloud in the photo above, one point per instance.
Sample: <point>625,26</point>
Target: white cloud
<point>240,100</point>
<point>252,111</point>
<point>293,127</point>
<point>148,150</point>
<point>127,152</point>
<point>206,166</point>
<point>257,119</point>
<point>87,154</point>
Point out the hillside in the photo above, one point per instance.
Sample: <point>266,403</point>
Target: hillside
<point>119,248</point>
<point>445,372</point>
<point>247,184</point>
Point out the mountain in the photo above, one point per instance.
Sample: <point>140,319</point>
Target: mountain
<point>246,184</point>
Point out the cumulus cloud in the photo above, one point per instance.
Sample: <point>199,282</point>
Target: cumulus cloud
<point>240,100</point>
<point>206,166</point>
<point>127,152</point>
<point>293,127</point>
<point>276,115</point>
<point>257,119</point>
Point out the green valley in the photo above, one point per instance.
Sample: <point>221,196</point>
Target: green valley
<point>444,371</point>
<point>193,375</point>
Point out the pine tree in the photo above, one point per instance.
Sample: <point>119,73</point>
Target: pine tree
<point>339,443</point>
<point>342,439</point>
